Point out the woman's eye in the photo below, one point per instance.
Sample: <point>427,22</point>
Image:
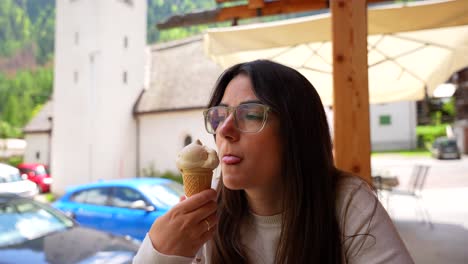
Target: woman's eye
<point>254,116</point>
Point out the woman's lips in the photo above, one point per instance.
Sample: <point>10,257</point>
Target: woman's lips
<point>231,160</point>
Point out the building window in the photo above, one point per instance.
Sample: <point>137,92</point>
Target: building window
<point>385,120</point>
<point>187,140</point>
<point>75,76</point>
<point>124,77</point>
<point>128,2</point>
<point>125,42</point>
<point>77,38</point>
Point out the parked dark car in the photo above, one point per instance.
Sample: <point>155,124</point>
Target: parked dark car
<point>445,148</point>
<point>37,173</point>
<point>122,207</point>
<point>32,232</point>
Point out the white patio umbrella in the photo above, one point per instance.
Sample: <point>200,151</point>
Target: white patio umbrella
<point>412,48</point>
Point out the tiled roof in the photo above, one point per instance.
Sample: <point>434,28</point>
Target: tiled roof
<point>42,122</point>
<point>181,77</point>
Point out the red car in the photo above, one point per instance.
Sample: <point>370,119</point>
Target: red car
<point>37,173</point>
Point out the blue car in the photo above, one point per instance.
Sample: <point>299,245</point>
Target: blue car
<point>123,207</point>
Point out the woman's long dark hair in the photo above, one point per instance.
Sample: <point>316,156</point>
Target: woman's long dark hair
<point>310,232</point>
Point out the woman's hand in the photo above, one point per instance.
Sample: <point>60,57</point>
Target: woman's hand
<point>187,226</point>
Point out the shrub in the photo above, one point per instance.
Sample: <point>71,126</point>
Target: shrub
<point>13,161</point>
<point>427,134</point>
<point>151,171</point>
<point>173,176</point>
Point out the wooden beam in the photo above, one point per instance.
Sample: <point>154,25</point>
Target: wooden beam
<point>302,1</point>
<point>240,12</point>
<point>250,10</point>
<point>195,18</point>
<point>350,87</point>
<point>290,1</point>
<point>270,8</point>
<point>225,1</point>
<point>256,4</point>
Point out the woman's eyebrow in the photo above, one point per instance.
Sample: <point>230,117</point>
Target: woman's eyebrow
<point>251,101</point>
<point>245,102</point>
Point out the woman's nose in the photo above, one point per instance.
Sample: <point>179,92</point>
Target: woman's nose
<point>228,129</point>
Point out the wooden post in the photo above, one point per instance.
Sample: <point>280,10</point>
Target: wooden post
<point>350,87</point>
<point>256,4</point>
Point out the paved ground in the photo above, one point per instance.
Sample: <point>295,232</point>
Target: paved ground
<point>446,241</point>
<point>445,200</point>
<point>442,173</point>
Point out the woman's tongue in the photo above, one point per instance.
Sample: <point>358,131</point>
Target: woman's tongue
<point>231,160</point>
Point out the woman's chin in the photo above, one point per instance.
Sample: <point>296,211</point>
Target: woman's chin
<point>232,182</point>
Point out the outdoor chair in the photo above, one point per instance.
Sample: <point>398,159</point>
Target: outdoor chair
<point>383,181</point>
<point>414,189</point>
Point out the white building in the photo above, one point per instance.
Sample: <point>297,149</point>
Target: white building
<point>12,147</point>
<point>393,126</point>
<point>38,135</point>
<point>170,111</point>
<point>117,112</point>
<point>99,66</point>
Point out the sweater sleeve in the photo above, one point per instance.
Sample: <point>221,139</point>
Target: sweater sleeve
<point>147,254</point>
<point>369,235</point>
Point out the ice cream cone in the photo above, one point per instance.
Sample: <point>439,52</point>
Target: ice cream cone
<point>196,180</point>
<point>196,163</point>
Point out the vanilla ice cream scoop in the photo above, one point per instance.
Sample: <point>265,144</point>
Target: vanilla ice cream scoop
<point>196,163</point>
<point>195,155</point>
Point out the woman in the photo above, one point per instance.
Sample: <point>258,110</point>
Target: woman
<point>280,198</point>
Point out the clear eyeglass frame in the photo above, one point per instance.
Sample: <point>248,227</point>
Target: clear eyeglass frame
<point>234,110</point>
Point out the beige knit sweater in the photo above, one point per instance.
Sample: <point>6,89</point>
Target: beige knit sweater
<point>355,205</point>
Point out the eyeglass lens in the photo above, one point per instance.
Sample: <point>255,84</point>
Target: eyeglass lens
<point>248,117</point>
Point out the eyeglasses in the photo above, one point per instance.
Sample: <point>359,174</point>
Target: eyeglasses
<point>248,118</point>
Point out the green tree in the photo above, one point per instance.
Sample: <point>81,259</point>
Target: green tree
<point>25,109</point>
<point>20,95</point>
<point>7,131</point>
<point>44,30</point>
<point>12,113</point>
<point>15,27</point>
<point>25,24</point>
<point>449,107</point>
<point>159,10</point>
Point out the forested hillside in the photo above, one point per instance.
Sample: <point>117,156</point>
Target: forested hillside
<point>158,10</point>
<point>27,46</point>
<point>21,96</point>
<point>27,24</point>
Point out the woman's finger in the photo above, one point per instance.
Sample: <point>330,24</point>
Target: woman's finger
<point>209,223</point>
<point>197,200</point>
<point>203,212</point>
<point>207,235</point>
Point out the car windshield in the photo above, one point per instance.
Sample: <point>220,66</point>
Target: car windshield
<point>165,195</point>
<point>10,177</point>
<point>41,170</point>
<point>23,220</point>
<point>449,143</point>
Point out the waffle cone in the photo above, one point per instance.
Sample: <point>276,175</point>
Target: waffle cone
<point>196,180</point>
